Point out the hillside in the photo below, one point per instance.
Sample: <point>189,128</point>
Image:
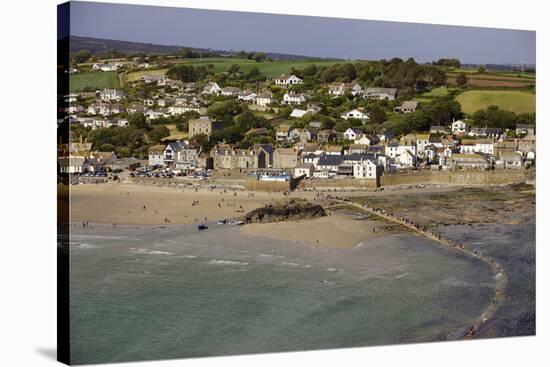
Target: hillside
<point>99,45</point>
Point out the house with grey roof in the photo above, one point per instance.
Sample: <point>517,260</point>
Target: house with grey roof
<point>380,93</point>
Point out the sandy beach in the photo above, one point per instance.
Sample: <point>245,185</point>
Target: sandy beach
<point>338,230</point>
<point>151,205</point>
<point>123,203</point>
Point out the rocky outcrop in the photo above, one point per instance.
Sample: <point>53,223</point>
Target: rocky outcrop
<point>287,209</point>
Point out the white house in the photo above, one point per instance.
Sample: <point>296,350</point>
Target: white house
<point>459,127</point>
<point>212,88</point>
<point>422,141</point>
<point>353,133</point>
<point>391,149</point>
<point>74,109</point>
<point>247,96</point>
<point>73,164</point>
<point>263,99</point>
<point>152,114</point>
<point>357,113</point>
<point>293,98</point>
<point>485,146</point>
<point>181,109</point>
<point>297,113</point>
<point>365,168</point>
<point>405,159</point>
<point>105,67</point>
<point>105,109</point>
<point>304,169</point>
<point>111,95</point>
<point>230,91</point>
<point>366,140</point>
<point>285,80</point>
<point>149,79</point>
<point>340,89</point>
<point>282,133</point>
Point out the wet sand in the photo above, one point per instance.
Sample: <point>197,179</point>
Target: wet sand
<point>338,230</point>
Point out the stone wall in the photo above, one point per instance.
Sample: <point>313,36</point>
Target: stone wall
<point>340,183</point>
<point>458,177</point>
<point>273,186</point>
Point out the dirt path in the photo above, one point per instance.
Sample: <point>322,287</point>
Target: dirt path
<point>500,275</point>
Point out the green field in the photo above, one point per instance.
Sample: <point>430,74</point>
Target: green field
<point>437,92</point>
<point>95,80</point>
<point>267,68</point>
<point>516,101</point>
<point>433,93</point>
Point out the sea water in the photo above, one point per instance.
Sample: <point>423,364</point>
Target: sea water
<point>175,292</point>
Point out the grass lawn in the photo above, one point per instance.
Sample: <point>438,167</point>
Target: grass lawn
<point>516,101</point>
<point>433,93</point>
<point>95,80</point>
<point>269,69</point>
<point>175,134</point>
<point>437,92</point>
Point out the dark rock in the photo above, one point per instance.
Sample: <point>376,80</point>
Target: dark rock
<point>288,209</point>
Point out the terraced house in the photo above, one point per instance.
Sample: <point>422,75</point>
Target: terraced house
<point>226,156</point>
<point>202,125</point>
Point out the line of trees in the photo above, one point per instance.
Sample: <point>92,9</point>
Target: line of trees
<point>493,116</point>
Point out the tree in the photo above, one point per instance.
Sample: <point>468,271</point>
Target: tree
<point>455,63</point>
<point>461,80</point>
<point>233,68</point>
<point>493,116</point>
<point>377,115</point>
<point>81,56</point>
<point>259,56</point>
<point>481,69</point>
<point>241,54</point>
<point>182,126</point>
<point>187,73</point>
<point>441,111</point>
<point>254,74</point>
<point>247,120</point>
<point>158,133</point>
<point>202,141</point>
<point>309,70</point>
<point>224,111</point>
<point>137,120</point>
<point>341,126</point>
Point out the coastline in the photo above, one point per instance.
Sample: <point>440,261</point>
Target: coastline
<point>353,229</point>
<point>468,331</point>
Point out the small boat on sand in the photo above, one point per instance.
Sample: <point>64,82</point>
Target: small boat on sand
<point>202,226</point>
